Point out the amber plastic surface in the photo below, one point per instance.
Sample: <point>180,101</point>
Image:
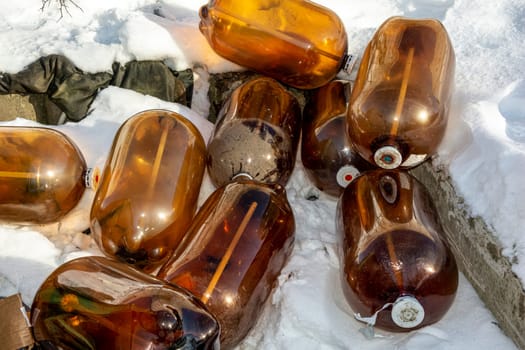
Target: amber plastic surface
<point>400,102</point>
<point>256,134</point>
<point>328,158</point>
<point>98,303</point>
<point>393,249</point>
<point>233,253</point>
<point>41,175</point>
<point>297,42</point>
<point>149,188</point>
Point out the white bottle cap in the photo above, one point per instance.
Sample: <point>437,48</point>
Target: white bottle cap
<point>92,178</point>
<point>388,157</point>
<point>407,312</point>
<point>346,174</point>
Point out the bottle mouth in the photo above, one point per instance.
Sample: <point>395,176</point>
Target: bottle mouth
<point>388,157</point>
<point>407,312</point>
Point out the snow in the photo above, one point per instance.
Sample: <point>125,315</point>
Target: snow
<point>484,151</point>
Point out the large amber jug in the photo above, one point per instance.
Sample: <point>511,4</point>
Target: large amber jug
<point>256,134</point>
<point>98,303</point>
<point>297,42</point>
<point>397,270</point>
<point>401,99</point>
<point>149,188</point>
<point>233,253</point>
<point>43,175</point>
<point>329,159</point>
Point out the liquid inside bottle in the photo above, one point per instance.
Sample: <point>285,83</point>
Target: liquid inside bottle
<point>398,272</point>
<point>256,134</point>
<point>233,253</point>
<point>42,175</point>
<point>297,42</point>
<point>149,188</point>
<point>98,303</point>
<point>401,98</point>
<point>327,156</point>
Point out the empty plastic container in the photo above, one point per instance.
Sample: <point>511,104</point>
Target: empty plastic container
<point>99,303</point>
<point>233,253</point>
<point>397,270</point>
<point>43,175</point>
<point>297,42</point>
<point>256,134</point>
<point>401,98</point>
<point>149,188</point>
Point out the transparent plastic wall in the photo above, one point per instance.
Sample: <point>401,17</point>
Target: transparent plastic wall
<point>233,253</point>
<point>149,188</point>
<point>256,134</point>
<point>98,303</point>
<point>297,42</point>
<point>395,262</point>
<point>329,159</point>
<point>43,175</point>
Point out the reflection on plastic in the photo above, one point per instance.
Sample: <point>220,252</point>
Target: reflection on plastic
<point>297,42</point>
<point>149,188</point>
<point>395,264</point>
<point>233,253</point>
<point>42,175</point>
<point>400,102</point>
<point>98,303</point>
<point>256,134</point>
<point>328,158</point>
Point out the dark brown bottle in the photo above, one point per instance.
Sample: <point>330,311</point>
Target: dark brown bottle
<point>256,134</point>
<point>328,158</point>
<point>233,253</point>
<point>401,98</point>
<point>43,175</point>
<point>98,303</point>
<point>297,42</point>
<point>149,188</point>
<point>395,263</point>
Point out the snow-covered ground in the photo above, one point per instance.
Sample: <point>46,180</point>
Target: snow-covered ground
<point>484,150</point>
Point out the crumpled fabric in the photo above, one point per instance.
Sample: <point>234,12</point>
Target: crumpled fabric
<point>73,91</point>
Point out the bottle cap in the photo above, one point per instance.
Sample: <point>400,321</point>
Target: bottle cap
<point>407,312</point>
<point>349,62</point>
<point>92,178</point>
<point>346,174</point>
<point>388,157</point>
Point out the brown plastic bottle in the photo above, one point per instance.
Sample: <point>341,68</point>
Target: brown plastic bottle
<point>401,98</point>
<point>256,134</point>
<point>149,188</point>
<point>233,253</point>
<point>397,271</point>
<point>297,42</point>
<point>43,175</point>
<point>328,158</point>
<point>98,303</point>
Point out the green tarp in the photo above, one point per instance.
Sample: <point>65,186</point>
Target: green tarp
<point>73,91</point>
